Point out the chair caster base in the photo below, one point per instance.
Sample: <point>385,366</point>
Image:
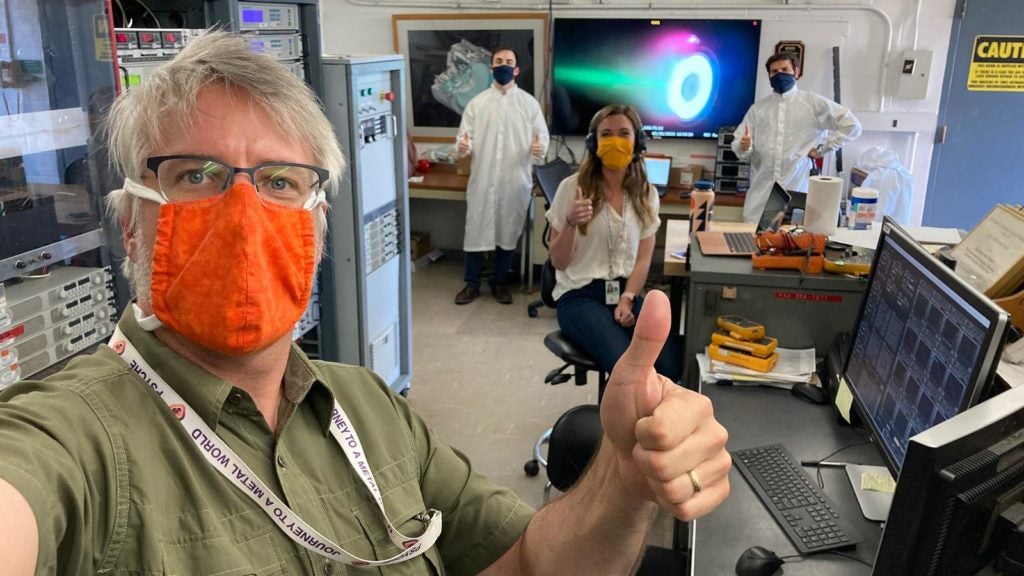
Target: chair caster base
<point>532,468</point>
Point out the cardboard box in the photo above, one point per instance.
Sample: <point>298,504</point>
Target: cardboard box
<point>462,167</point>
<point>419,245</point>
<point>685,176</point>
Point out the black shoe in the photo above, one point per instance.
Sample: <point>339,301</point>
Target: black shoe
<point>467,295</point>
<point>501,294</point>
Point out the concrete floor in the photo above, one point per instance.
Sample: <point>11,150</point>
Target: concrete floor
<point>478,378</point>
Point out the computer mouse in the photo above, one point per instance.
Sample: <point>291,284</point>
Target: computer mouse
<point>810,393</point>
<point>758,561</point>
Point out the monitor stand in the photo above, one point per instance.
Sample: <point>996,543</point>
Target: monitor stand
<point>874,505</point>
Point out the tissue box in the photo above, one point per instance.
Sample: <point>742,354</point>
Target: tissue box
<point>419,244</point>
<point>462,167</point>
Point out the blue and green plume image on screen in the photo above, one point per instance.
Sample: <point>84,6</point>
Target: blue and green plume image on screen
<point>685,77</point>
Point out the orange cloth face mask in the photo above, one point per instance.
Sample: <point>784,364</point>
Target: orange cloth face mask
<point>232,273</point>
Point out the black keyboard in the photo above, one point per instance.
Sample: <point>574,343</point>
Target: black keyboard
<point>806,515</point>
<point>740,242</point>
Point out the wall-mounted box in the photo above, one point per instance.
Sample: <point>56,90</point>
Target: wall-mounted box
<point>914,68</point>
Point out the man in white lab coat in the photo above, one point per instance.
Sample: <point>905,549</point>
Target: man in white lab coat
<point>503,128</point>
<point>783,133</point>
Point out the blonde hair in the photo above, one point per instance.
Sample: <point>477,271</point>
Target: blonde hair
<point>635,186</point>
<point>137,122</point>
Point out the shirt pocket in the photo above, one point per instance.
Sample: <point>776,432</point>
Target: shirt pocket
<point>405,506</point>
<point>220,555</point>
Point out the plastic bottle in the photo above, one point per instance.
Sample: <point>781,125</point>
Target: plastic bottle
<point>863,204</point>
<point>702,204</point>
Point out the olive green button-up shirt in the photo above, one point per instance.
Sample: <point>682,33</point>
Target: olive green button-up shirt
<point>118,487</point>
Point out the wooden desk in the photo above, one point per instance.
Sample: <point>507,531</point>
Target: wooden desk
<point>728,207</point>
<point>440,183</point>
<point>677,241</point>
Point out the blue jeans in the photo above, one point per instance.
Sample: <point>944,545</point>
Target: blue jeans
<point>475,266</point>
<point>590,324</point>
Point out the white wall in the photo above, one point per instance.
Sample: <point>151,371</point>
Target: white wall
<point>870,49</point>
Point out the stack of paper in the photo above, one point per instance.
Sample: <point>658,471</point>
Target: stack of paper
<point>794,366</point>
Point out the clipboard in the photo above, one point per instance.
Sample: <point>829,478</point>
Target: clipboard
<point>991,257</point>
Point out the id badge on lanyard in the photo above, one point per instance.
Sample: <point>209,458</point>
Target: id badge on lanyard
<point>611,292</point>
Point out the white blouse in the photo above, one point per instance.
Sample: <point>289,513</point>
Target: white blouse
<point>610,246</point>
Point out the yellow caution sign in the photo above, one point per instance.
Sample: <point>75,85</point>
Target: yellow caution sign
<point>997,64</point>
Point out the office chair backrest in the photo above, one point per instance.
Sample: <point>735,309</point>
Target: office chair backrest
<point>574,440</point>
<point>547,284</point>
<point>550,175</point>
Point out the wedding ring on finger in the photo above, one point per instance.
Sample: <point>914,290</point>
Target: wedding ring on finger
<point>695,480</point>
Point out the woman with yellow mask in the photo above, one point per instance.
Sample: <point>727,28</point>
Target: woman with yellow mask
<point>603,223</point>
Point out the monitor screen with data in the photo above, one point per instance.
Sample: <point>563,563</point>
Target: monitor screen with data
<point>924,346</point>
<point>658,170</point>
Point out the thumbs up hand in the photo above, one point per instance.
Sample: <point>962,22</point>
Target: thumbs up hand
<point>464,144</point>
<point>581,211</point>
<point>537,148</point>
<point>668,446</point>
<point>745,141</point>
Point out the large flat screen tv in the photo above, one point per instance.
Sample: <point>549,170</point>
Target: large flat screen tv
<point>685,77</point>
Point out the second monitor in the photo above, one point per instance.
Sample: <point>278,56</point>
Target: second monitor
<point>658,170</point>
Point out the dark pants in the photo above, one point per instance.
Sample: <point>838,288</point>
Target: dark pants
<point>475,266</point>
<point>590,324</point>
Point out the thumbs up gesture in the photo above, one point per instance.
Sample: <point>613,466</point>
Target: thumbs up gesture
<point>745,141</point>
<point>581,211</point>
<point>537,148</point>
<point>464,144</point>
<point>668,446</point>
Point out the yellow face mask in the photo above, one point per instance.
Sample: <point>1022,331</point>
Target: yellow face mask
<point>615,152</point>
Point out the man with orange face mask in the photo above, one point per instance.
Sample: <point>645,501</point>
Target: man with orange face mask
<point>200,440</point>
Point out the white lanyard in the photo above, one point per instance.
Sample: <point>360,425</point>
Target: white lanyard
<point>612,244</point>
<point>225,461</point>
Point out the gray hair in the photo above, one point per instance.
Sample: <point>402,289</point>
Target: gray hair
<point>135,126</point>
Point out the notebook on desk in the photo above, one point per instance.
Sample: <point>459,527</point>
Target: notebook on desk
<point>658,170</point>
<point>714,243</point>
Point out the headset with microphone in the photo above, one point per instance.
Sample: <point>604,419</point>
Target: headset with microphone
<point>639,138</point>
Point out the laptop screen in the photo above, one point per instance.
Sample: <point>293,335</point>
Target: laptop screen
<point>658,170</point>
<point>774,209</point>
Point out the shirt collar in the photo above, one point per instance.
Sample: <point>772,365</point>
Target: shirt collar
<point>791,93</point>
<point>495,87</point>
<point>206,393</point>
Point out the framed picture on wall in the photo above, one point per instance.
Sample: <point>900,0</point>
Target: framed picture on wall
<point>448,60</point>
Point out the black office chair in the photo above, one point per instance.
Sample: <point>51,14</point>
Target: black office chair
<point>548,176</point>
<point>576,364</point>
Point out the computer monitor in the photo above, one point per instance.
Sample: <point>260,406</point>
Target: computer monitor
<point>658,170</point>
<point>925,344</point>
<point>957,479</point>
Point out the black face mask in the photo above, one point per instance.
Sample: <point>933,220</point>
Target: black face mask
<point>503,74</point>
<point>781,82</point>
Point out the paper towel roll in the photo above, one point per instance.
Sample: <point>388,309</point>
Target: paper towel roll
<point>824,193</point>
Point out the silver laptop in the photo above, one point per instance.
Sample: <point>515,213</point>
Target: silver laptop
<point>714,243</point>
